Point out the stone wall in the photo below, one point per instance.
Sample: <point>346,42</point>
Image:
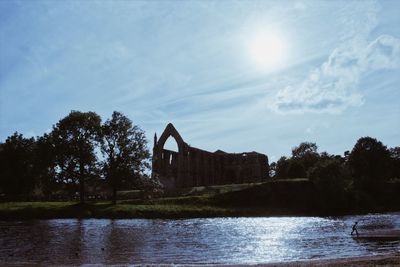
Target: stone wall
<point>191,166</point>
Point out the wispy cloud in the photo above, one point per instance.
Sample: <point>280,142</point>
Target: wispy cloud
<point>334,85</point>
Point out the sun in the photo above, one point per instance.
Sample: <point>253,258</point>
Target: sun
<point>267,49</point>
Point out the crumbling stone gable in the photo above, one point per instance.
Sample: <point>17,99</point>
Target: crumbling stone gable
<point>191,166</point>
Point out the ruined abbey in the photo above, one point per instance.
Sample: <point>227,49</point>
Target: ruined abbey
<point>191,166</point>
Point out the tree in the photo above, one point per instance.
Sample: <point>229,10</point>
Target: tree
<point>16,165</point>
<point>395,162</point>
<point>44,165</point>
<point>295,169</point>
<point>75,138</point>
<point>331,179</point>
<point>303,149</point>
<point>282,167</point>
<point>306,155</point>
<point>369,161</point>
<point>125,149</point>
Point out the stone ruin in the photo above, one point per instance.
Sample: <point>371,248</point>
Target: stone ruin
<point>192,166</point>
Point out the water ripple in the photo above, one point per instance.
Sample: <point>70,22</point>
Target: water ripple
<point>202,241</point>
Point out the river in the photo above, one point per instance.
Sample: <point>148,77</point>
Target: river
<point>197,241</point>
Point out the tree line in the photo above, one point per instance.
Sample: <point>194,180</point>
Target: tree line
<point>80,151</point>
<point>361,176</point>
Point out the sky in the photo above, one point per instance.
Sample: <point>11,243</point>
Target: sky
<point>232,75</point>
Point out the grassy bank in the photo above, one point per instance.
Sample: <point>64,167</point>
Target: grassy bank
<point>283,197</point>
<point>171,208</point>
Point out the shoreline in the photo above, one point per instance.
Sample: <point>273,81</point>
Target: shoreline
<point>152,209</point>
<point>376,260</point>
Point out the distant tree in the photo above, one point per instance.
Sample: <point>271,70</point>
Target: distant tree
<point>325,155</point>
<point>16,165</point>
<point>75,138</point>
<point>306,155</point>
<point>44,162</point>
<point>331,179</point>
<point>303,149</point>
<point>282,167</point>
<point>395,162</point>
<point>369,161</point>
<point>295,169</point>
<point>150,186</point>
<point>124,147</point>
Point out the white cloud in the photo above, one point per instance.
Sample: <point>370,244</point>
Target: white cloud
<point>333,86</point>
<point>383,53</point>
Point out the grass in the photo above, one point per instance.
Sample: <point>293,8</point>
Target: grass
<point>211,201</point>
<point>280,197</point>
<point>172,207</point>
<point>159,209</point>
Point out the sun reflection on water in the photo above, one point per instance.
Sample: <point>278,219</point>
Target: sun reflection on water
<point>196,241</point>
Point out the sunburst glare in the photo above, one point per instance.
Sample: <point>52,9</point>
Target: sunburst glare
<point>267,50</point>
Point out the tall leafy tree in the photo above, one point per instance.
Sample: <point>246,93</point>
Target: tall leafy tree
<point>124,147</point>
<point>331,180</point>
<point>303,149</point>
<point>75,138</point>
<point>305,155</point>
<point>44,165</point>
<point>369,161</point>
<point>282,167</point>
<point>395,162</point>
<point>16,165</point>
<point>295,169</point>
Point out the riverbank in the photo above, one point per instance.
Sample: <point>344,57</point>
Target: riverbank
<point>276,198</point>
<point>172,208</point>
<point>381,260</point>
<point>163,208</point>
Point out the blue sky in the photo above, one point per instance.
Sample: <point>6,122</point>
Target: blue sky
<point>193,63</point>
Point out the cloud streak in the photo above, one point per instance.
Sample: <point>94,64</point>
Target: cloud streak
<point>333,87</point>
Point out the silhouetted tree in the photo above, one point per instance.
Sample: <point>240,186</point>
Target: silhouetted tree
<point>75,138</point>
<point>395,162</point>
<point>282,167</point>
<point>306,155</point>
<point>331,179</point>
<point>16,165</point>
<point>369,161</point>
<point>295,169</point>
<point>44,165</point>
<point>303,149</point>
<point>125,151</point>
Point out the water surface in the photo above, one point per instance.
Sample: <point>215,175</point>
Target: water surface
<point>200,241</point>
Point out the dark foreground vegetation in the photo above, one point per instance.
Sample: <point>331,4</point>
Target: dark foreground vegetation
<point>282,197</point>
<point>82,165</point>
<point>81,158</point>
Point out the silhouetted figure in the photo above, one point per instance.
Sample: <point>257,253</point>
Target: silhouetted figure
<point>354,229</point>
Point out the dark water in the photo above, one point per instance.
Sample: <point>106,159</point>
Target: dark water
<point>200,241</point>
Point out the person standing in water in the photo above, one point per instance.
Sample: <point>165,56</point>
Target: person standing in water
<point>354,229</point>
